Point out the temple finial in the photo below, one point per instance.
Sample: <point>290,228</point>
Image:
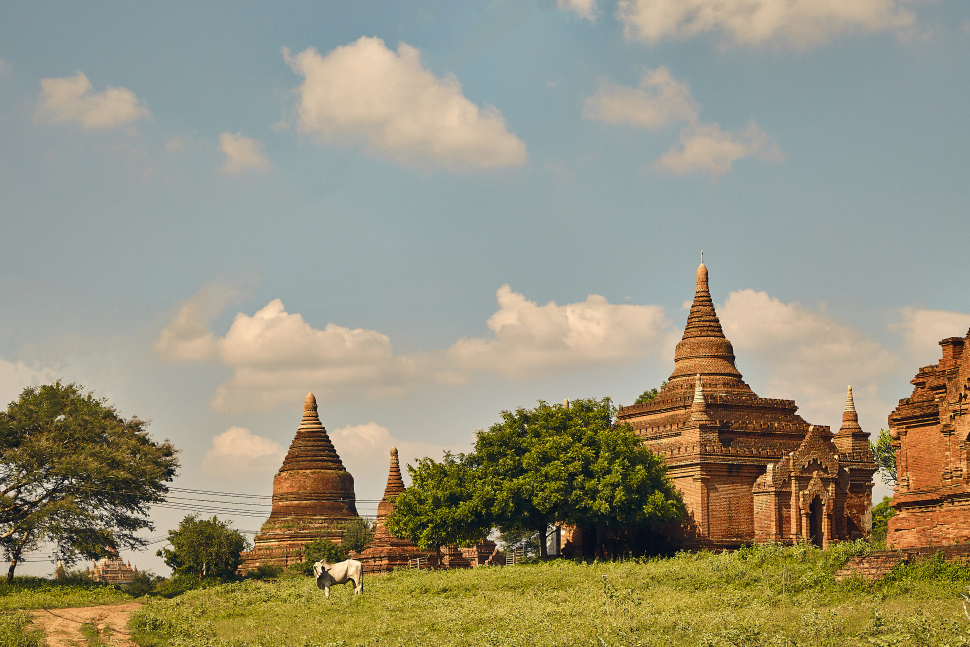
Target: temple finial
<point>702,257</point>
<point>565,403</point>
<point>849,403</point>
<point>310,403</point>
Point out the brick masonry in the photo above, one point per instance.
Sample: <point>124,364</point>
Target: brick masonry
<point>750,469</point>
<point>930,431</point>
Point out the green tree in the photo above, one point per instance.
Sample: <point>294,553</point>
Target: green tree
<point>649,394</point>
<point>357,534</point>
<point>440,506</point>
<point>204,547</point>
<point>885,457</point>
<point>881,514</point>
<point>319,550</point>
<point>570,464</point>
<point>75,473</point>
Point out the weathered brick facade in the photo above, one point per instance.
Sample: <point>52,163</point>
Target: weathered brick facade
<point>312,496</point>
<point>749,468</point>
<point>386,552</point>
<point>930,430</point>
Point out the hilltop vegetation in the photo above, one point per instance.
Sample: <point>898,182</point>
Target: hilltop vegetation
<point>766,595</point>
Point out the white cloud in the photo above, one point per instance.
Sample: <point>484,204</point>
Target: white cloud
<point>174,145</point>
<point>187,337</point>
<point>530,339</point>
<point>365,450</point>
<point>922,330</point>
<point>71,99</point>
<point>242,153</point>
<point>708,149</point>
<point>659,100</point>
<point>796,24</point>
<point>366,93</point>
<point>16,376</point>
<point>583,8</point>
<point>5,68</point>
<point>807,356</point>
<point>239,454</point>
<point>276,356</point>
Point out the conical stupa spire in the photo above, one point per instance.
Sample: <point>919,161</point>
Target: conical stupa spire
<point>704,349</point>
<point>311,448</point>
<point>698,408</point>
<point>395,484</point>
<point>851,437</point>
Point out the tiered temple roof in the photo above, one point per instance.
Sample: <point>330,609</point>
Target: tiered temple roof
<point>313,495</point>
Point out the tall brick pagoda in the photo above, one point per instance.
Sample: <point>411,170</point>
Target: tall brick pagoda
<point>930,431</point>
<point>749,468</point>
<point>386,552</point>
<point>312,496</point>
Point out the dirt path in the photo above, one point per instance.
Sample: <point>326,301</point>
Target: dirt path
<point>63,626</point>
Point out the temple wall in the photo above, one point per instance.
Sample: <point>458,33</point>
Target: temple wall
<point>925,453</point>
<point>731,508</point>
<point>939,523</point>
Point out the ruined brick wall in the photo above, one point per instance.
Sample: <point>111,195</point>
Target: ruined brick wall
<point>931,430</point>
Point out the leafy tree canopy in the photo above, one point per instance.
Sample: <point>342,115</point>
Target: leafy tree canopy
<point>74,472</point>
<point>554,463</point>
<point>881,514</point>
<point>440,506</point>
<point>204,547</point>
<point>357,534</point>
<point>649,395</point>
<point>319,550</point>
<point>885,457</point>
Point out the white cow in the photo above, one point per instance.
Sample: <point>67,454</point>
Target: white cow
<point>347,571</point>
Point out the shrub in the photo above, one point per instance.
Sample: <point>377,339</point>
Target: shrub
<point>319,550</point>
<point>142,583</point>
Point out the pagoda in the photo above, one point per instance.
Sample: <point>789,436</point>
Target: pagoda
<point>313,495</point>
<point>750,469</point>
<point>386,552</point>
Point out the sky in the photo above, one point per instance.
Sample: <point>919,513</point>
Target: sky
<point>430,212</point>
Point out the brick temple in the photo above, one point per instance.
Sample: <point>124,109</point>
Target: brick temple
<point>930,430</point>
<point>313,495</point>
<point>750,469</point>
<point>386,552</point>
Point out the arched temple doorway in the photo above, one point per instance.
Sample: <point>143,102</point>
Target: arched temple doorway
<point>816,510</point>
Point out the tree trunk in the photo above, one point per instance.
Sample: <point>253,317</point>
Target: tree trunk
<point>600,541</point>
<point>543,553</point>
<point>13,565</point>
<point>14,560</point>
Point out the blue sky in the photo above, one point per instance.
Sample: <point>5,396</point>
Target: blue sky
<point>429,212</point>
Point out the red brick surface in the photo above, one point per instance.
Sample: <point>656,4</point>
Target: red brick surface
<point>750,468</point>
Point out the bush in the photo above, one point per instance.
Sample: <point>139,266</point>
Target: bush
<point>357,534</point>
<point>141,584</point>
<point>265,572</point>
<point>179,584</point>
<point>317,551</point>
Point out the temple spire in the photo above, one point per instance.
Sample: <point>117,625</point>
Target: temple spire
<point>851,438</point>
<point>698,408</point>
<point>311,447</point>
<point>704,349</point>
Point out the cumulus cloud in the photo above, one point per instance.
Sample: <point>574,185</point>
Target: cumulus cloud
<point>365,450</point>
<point>16,376</point>
<point>795,24</point>
<point>365,93</point>
<point>582,8</point>
<point>805,355</point>
<point>238,454</point>
<point>242,153</point>
<point>658,101</point>
<point>277,355</point>
<point>72,99</point>
<point>709,150</point>
<point>187,337</point>
<point>922,330</point>
<point>530,339</point>
<point>5,68</point>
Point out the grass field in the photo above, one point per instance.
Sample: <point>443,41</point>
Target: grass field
<point>769,595</point>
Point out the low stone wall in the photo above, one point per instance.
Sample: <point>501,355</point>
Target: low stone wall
<point>874,566</point>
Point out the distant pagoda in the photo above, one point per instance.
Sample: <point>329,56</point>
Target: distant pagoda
<point>313,494</point>
<point>386,552</point>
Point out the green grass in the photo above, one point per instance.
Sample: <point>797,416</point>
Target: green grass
<point>15,632</point>
<point>39,593</point>
<point>769,595</point>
